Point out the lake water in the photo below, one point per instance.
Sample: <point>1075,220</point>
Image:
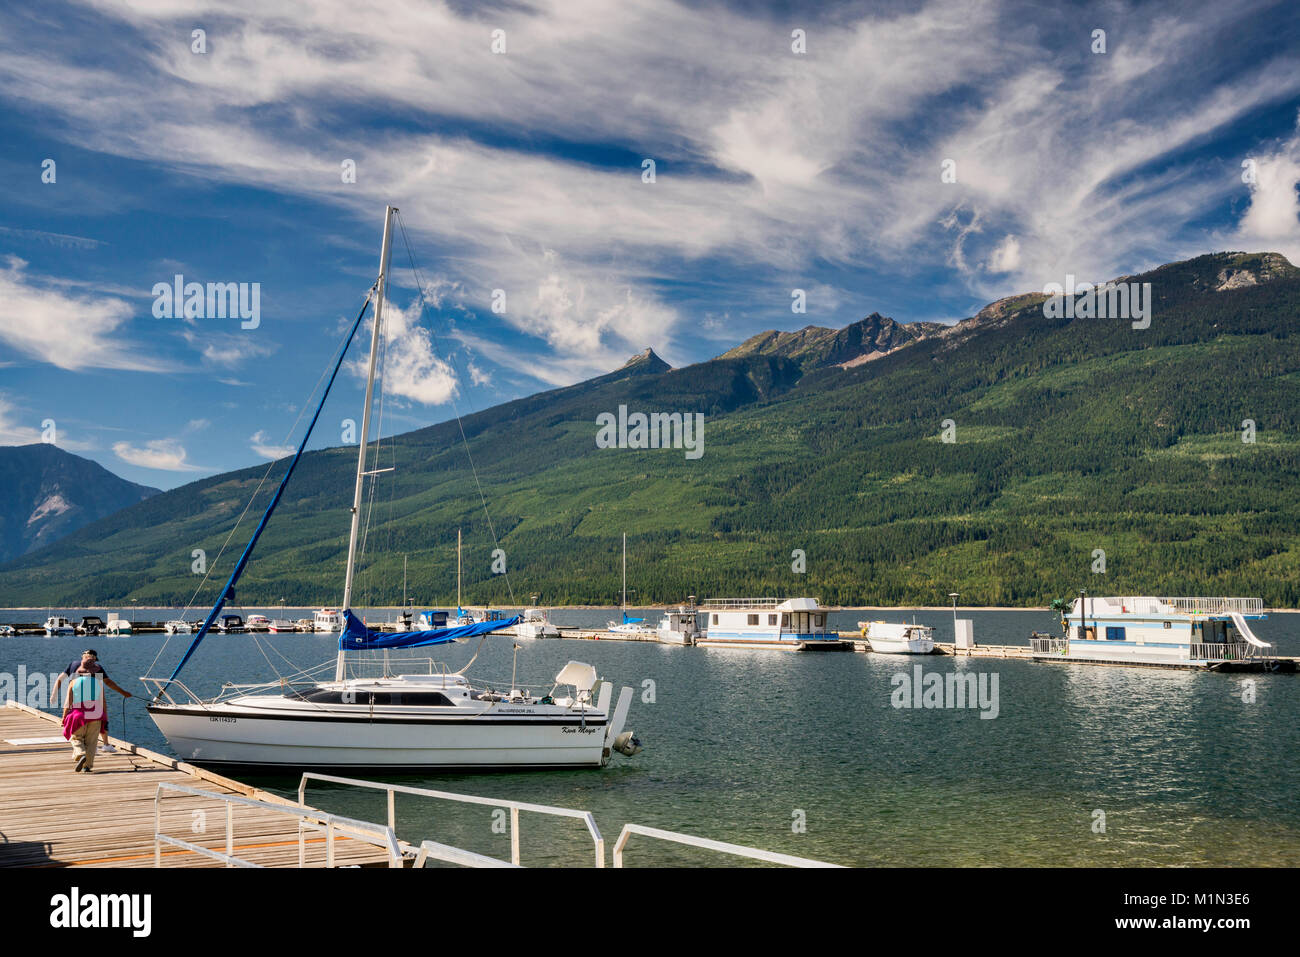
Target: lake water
<point>805,754</point>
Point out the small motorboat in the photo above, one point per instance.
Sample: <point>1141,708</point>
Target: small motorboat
<point>177,627</point>
<point>58,625</point>
<point>898,638</point>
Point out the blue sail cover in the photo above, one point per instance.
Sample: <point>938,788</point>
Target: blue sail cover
<point>356,636</point>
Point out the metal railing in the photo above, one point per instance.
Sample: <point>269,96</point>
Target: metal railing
<point>1220,651</point>
<point>1047,645</point>
<point>307,818</point>
<point>514,807</point>
<point>1192,606</point>
<point>716,603</point>
<point>456,855</point>
<point>720,847</point>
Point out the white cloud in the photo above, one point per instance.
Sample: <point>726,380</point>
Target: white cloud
<point>411,369</point>
<point>260,443</point>
<point>228,349</point>
<point>69,331</point>
<point>828,158</point>
<point>165,454</point>
<point>1006,256</point>
<point>1272,220</point>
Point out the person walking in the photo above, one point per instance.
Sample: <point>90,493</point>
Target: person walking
<point>83,714</point>
<point>90,657</point>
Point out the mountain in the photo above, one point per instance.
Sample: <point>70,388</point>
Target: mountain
<point>816,347</point>
<point>50,493</point>
<point>1071,437</point>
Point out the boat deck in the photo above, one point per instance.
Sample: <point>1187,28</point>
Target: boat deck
<point>53,817</point>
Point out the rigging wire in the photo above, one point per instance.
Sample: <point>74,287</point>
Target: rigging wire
<point>252,498</point>
<point>421,285</point>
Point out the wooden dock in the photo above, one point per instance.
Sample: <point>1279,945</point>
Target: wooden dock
<point>53,817</point>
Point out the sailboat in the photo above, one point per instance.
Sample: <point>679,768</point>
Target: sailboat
<point>629,627</point>
<point>394,722</point>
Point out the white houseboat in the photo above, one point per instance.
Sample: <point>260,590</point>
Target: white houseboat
<point>1211,633</point>
<point>795,624</point>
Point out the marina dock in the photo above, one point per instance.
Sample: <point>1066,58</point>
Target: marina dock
<point>52,817</point>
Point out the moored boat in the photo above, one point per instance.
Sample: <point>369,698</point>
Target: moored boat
<point>898,638</point>
<point>1188,632</point>
<point>402,721</point>
<point>795,624</point>
<point>58,625</point>
<point>680,627</point>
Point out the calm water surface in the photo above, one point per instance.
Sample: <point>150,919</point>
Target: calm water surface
<point>742,746</point>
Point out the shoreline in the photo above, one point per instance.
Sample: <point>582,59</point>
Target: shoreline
<point>50,609</point>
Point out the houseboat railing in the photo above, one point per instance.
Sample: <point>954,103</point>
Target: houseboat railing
<point>1221,651</point>
<point>716,603</point>
<point>1191,606</point>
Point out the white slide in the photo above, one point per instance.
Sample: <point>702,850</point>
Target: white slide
<point>1246,632</point>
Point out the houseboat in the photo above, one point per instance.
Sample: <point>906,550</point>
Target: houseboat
<point>795,624</point>
<point>1210,633</point>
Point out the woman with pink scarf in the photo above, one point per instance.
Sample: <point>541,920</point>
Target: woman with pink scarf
<point>83,713</point>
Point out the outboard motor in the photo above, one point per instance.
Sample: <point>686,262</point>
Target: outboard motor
<point>627,744</point>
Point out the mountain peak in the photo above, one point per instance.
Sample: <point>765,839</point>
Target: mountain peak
<point>645,361</point>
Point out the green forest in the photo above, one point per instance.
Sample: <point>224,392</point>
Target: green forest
<point>1070,437</point>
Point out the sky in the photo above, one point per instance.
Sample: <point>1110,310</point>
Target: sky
<point>579,181</point>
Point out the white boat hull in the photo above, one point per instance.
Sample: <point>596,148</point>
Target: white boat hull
<point>475,743</point>
<point>899,646</point>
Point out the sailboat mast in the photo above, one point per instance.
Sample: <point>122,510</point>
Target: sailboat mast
<point>381,291</point>
<point>458,572</point>
<point>625,577</point>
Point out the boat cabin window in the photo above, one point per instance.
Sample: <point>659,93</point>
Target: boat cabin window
<point>819,621</point>
<point>753,619</point>
<point>771,619</point>
<point>1114,634</point>
<point>785,620</point>
<point>326,696</point>
<point>1168,624</point>
<point>715,618</point>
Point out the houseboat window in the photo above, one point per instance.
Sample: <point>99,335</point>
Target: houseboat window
<point>819,621</point>
<point>785,620</point>
<point>715,618</point>
<point>771,619</point>
<point>752,619</point>
<point>1167,624</point>
<point>1114,634</point>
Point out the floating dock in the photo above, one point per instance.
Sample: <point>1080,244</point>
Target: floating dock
<point>53,817</point>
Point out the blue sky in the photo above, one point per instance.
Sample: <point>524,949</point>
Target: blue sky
<point>522,171</point>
